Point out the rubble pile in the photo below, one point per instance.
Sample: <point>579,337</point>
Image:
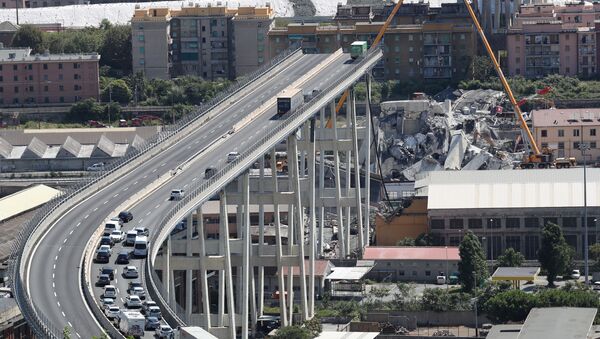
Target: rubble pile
<point>417,136</point>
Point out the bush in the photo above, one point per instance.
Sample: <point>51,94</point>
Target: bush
<point>513,305</point>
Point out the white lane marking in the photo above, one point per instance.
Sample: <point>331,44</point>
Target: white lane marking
<point>56,296</point>
<point>157,206</point>
<point>122,300</point>
<point>116,281</point>
<point>148,213</point>
<point>118,290</point>
<point>116,195</point>
<point>212,131</point>
<point>95,209</point>
<point>189,147</point>
<point>64,241</point>
<point>197,141</point>
<point>63,313</point>
<point>78,335</point>
<point>186,185</point>
<point>60,248</point>
<point>79,223</point>
<point>220,125</point>
<point>154,170</point>
<point>56,258</point>
<point>125,189</point>
<point>135,183</point>
<point>52,275</point>
<point>71,231</point>
<point>163,164</point>
<point>140,221</point>
<point>68,322</point>
<point>194,179</point>
<point>105,202</point>
<point>54,286</point>
<point>87,215</point>
<point>58,303</point>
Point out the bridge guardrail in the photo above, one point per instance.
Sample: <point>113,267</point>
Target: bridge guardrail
<point>153,281</point>
<point>38,321</point>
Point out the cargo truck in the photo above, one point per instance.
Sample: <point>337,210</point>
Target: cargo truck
<point>358,49</point>
<point>132,323</point>
<point>289,100</point>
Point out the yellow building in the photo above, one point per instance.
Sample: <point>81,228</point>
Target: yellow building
<point>411,223</point>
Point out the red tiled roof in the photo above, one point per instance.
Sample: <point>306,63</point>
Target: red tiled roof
<point>411,253</point>
<point>320,268</point>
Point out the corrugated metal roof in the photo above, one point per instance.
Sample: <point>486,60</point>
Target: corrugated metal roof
<point>26,200</point>
<point>550,188</point>
<point>348,273</point>
<point>558,323</point>
<point>85,136</point>
<point>411,253</point>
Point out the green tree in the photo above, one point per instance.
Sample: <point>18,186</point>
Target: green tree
<point>406,242</point>
<point>29,36</point>
<point>472,267</point>
<point>293,332</point>
<point>554,254</point>
<point>511,258</point>
<point>428,239</point>
<point>482,67</point>
<point>441,300</point>
<point>379,292</point>
<point>512,305</point>
<point>84,110</point>
<point>117,91</point>
<point>105,24</point>
<point>314,326</point>
<point>116,48</point>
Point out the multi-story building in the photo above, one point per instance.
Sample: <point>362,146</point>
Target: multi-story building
<point>563,131</point>
<point>210,42</point>
<point>427,51</point>
<point>27,79</point>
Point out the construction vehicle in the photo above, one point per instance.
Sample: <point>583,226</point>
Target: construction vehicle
<point>534,156</point>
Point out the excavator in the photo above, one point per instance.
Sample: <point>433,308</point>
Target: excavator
<point>535,157</point>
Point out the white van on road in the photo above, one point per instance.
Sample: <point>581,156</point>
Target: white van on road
<point>140,247</point>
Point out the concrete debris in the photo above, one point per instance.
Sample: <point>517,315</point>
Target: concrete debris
<point>472,133</point>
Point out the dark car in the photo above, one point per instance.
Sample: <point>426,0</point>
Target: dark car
<point>152,323</point>
<point>108,271</point>
<point>103,257</point>
<point>123,257</point>
<point>126,216</point>
<point>107,240</point>
<point>103,280</point>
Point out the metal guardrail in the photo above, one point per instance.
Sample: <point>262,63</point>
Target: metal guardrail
<point>153,281</point>
<point>37,320</point>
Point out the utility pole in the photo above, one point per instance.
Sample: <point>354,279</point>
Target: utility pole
<point>109,102</point>
<point>583,147</point>
<point>17,9</point>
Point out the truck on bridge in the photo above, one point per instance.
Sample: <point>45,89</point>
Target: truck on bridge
<point>132,323</point>
<point>288,100</point>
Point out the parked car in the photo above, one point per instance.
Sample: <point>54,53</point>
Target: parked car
<point>231,156</point>
<point>116,236</point>
<point>110,291</point>
<point>441,280</point>
<point>133,301</point>
<point>575,274</point>
<point>596,286</point>
<point>112,312</point>
<point>99,166</point>
<point>103,280</point>
<point>141,230</point>
<point>152,323</point>
<point>107,240</point>
<point>108,271</point>
<point>177,194</point>
<point>125,216</point>
<point>139,291</point>
<point>164,331</point>
<point>130,272</point>
<point>123,258</point>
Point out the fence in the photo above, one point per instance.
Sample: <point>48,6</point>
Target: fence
<point>37,320</point>
<point>226,171</point>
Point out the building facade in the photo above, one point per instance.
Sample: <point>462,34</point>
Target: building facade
<point>564,130</point>
<point>27,79</point>
<point>209,42</point>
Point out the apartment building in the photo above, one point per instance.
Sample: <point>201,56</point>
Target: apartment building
<point>27,79</point>
<point>563,131</point>
<point>210,42</point>
<point>427,51</point>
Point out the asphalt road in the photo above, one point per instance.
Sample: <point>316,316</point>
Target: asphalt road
<point>53,280</point>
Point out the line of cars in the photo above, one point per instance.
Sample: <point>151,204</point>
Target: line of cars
<point>140,314</point>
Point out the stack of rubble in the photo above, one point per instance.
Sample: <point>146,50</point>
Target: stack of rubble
<point>424,135</point>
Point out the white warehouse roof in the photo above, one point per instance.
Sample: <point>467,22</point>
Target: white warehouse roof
<point>550,188</point>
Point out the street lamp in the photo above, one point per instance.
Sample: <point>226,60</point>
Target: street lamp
<point>583,146</point>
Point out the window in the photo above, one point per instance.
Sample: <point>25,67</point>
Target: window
<point>142,50</point>
<point>61,88</point>
<point>45,66</point>
<point>414,273</point>
<point>567,48</point>
<point>517,60</point>
<point>410,49</point>
<point>494,223</point>
<point>410,37</point>
<point>513,222</point>
<point>45,77</point>
<point>437,224</point>
<point>30,67</point>
<point>61,99</point>
<point>401,273</point>
<point>593,132</point>
<point>76,65</point>
<point>462,37</point>
<point>1,89</point>
<point>76,77</point>
<point>592,144</point>
<point>141,36</point>
<point>532,222</point>
<point>261,37</point>
<point>561,145</point>
<point>16,78</point>
<point>427,273</point>
<point>475,223</point>
<point>142,61</point>
<point>576,145</point>
<point>575,132</point>
<point>550,220</point>
<point>544,133</point>
<point>14,67</point>
<point>456,224</point>
<point>60,77</point>
<point>544,145</point>
<point>561,133</point>
<point>569,222</point>
<point>45,88</point>
<point>16,89</point>
<point>60,66</point>
<point>1,78</point>
<point>30,77</point>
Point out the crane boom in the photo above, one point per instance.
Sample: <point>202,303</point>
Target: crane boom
<point>375,43</point>
<point>532,144</point>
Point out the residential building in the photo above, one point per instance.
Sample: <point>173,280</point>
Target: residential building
<point>419,263</point>
<point>426,51</point>
<point>210,42</point>
<point>150,42</point>
<point>27,79</point>
<point>509,208</point>
<point>563,131</point>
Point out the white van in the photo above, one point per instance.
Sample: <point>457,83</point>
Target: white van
<point>130,237</point>
<point>140,247</point>
<point>111,226</point>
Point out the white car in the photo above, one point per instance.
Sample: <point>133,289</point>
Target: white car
<point>103,248</point>
<point>116,236</point>
<point>153,311</point>
<point>164,331</point>
<point>107,302</point>
<point>110,291</point>
<point>147,304</point>
<point>177,194</point>
<point>133,301</point>
<point>112,312</point>
<point>575,274</point>
<point>130,272</point>
<point>99,166</point>
<point>139,291</point>
<point>232,156</point>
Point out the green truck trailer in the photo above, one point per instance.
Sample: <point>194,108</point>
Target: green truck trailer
<point>358,49</point>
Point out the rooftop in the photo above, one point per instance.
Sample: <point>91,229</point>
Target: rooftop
<point>516,273</point>
<point>26,200</point>
<point>566,117</point>
<point>349,273</point>
<point>509,189</point>
<point>558,323</point>
<point>411,253</point>
<point>24,55</point>
<point>321,268</point>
